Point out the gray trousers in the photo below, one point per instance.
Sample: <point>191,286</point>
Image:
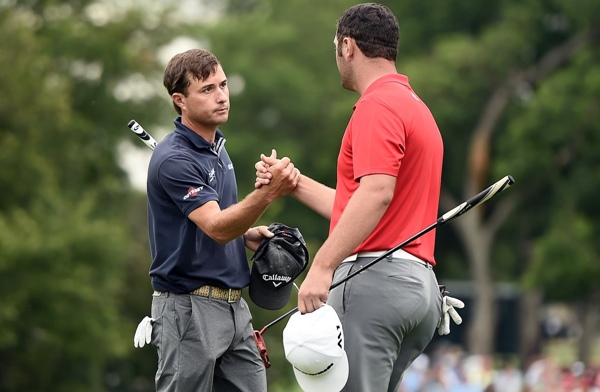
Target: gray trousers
<point>205,345</point>
<point>389,314</point>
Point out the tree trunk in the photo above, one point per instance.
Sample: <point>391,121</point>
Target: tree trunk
<point>529,323</point>
<point>589,323</point>
<point>482,328</point>
<point>476,232</point>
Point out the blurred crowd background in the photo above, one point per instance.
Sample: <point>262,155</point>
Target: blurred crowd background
<point>514,86</point>
<point>450,369</point>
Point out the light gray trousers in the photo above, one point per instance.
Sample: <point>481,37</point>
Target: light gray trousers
<point>205,345</point>
<point>389,314</point>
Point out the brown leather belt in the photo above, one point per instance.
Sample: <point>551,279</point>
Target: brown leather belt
<point>229,295</point>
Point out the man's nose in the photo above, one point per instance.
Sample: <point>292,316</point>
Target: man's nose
<point>223,96</point>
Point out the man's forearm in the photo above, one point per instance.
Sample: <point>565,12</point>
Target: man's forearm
<point>226,225</point>
<point>223,226</point>
<point>238,218</point>
<point>360,217</point>
<point>316,196</point>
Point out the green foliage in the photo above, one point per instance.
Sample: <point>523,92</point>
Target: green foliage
<point>553,143</point>
<point>564,108</point>
<point>65,241</point>
<point>62,270</point>
<point>565,260</point>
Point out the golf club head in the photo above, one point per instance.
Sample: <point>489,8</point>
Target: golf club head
<point>262,349</point>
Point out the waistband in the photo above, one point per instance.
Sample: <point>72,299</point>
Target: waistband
<point>399,254</point>
<point>229,295</point>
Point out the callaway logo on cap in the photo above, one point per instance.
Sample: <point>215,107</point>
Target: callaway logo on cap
<point>276,279</point>
<point>277,262</point>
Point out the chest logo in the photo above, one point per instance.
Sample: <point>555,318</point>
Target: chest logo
<point>211,175</point>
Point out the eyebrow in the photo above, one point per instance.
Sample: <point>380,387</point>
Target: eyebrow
<point>213,84</point>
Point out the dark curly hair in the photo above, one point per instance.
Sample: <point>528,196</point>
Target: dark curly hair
<point>374,28</point>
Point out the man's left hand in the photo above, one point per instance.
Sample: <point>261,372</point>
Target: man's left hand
<point>448,311</point>
<point>254,236</point>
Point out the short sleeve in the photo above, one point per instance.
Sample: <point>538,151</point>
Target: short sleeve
<point>184,181</point>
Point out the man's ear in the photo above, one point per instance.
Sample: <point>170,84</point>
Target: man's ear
<point>178,99</point>
<point>348,48</point>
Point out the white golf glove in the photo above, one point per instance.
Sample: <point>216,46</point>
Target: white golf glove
<point>448,311</point>
<point>143,333</point>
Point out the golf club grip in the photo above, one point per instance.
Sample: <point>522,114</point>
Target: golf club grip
<point>479,198</point>
<point>142,134</point>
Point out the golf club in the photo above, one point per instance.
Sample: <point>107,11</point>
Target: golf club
<point>454,213</point>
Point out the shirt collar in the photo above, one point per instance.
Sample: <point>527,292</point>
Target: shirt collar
<point>382,80</point>
<point>196,139</point>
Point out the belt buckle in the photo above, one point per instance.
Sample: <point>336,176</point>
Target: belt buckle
<point>229,300</point>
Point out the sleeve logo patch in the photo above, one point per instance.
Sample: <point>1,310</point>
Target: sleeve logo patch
<point>192,192</point>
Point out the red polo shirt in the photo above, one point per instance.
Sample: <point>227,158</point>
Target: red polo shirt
<point>393,132</point>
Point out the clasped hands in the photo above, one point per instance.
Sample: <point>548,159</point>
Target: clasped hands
<point>264,176</point>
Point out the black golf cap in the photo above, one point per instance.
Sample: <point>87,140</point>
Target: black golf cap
<point>276,263</point>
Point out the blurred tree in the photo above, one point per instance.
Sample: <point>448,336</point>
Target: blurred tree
<point>60,314</point>
<point>554,144</point>
<point>64,238</point>
<point>507,65</point>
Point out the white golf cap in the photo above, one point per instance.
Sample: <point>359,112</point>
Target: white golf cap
<point>314,345</point>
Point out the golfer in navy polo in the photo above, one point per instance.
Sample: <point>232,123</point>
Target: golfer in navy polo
<point>201,326</point>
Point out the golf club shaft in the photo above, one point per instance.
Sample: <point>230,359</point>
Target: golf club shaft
<point>474,201</point>
<point>142,134</point>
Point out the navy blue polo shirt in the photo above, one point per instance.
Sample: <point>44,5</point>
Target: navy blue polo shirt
<point>185,172</point>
